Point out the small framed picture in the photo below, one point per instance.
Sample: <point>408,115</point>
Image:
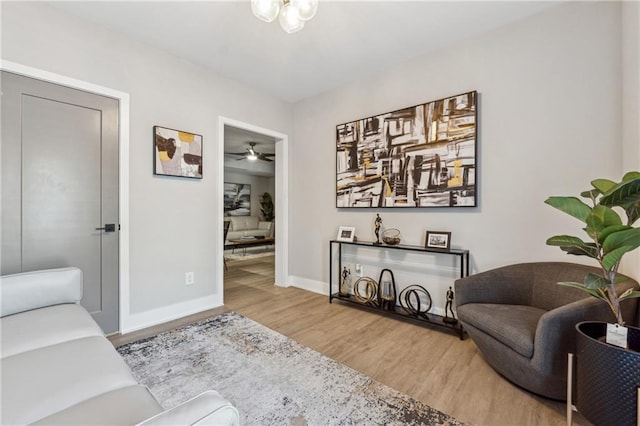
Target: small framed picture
<point>438,240</point>
<point>346,234</point>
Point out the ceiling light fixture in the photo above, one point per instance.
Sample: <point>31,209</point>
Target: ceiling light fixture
<point>293,13</point>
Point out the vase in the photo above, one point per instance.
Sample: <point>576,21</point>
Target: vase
<point>607,376</point>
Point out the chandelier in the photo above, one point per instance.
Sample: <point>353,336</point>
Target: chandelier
<point>293,13</point>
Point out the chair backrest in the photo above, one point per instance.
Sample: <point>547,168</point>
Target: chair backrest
<point>547,294</point>
<point>227,224</point>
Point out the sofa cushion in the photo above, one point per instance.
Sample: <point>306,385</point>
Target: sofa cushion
<point>38,383</point>
<point>512,325</point>
<point>240,223</point>
<point>38,328</point>
<point>129,405</point>
<point>36,289</point>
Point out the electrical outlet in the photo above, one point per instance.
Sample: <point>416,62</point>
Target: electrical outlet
<point>359,270</point>
<point>188,278</point>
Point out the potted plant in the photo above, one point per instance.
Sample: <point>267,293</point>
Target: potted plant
<point>607,376</point>
<point>267,207</point>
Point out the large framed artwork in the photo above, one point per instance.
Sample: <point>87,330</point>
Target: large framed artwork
<point>237,199</point>
<point>177,153</point>
<point>421,156</point>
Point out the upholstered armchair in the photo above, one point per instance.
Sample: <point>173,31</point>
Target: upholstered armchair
<point>523,322</point>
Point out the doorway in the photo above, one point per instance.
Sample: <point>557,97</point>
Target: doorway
<point>280,195</point>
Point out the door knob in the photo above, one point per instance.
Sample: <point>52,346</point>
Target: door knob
<point>108,227</point>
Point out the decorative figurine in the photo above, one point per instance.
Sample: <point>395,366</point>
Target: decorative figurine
<point>378,224</point>
<point>345,283</point>
<point>449,307</point>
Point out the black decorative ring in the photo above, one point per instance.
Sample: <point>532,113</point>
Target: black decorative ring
<point>412,293</point>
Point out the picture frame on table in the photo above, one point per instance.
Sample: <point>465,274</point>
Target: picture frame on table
<point>438,240</point>
<point>346,234</point>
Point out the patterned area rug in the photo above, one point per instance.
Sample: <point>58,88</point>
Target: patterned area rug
<point>271,379</point>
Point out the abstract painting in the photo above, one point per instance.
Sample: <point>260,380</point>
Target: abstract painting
<point>177,153</point>
<point>421,156</point>
<point>237,199</point>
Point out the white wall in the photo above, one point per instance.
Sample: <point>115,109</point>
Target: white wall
<point>259,185</point>
<point>173,221</point>
<point>549,122</point>
<point>631,104</point>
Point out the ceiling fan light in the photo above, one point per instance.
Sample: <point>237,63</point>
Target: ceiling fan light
<point>306,8</point>
<point>266,10</point>
<point>289,19</point>
<point>252,157</point>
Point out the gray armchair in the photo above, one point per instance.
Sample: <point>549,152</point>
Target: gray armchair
<point>523,322</point>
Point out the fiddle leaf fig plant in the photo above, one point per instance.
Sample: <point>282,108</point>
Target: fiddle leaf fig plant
<point>610,237</point>
<point>267,207</point>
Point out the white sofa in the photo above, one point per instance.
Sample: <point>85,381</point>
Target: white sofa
<point>248,226</point>
<point>58,367</point>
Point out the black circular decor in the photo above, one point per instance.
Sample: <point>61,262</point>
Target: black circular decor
<point>415,300</point>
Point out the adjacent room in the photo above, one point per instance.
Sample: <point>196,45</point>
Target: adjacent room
<point>302,212</point>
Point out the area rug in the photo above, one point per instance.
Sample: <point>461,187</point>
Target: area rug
<point>271,379</point>
<point>251,253</point>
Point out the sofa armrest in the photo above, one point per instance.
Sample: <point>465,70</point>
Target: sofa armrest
<point>506,285</point>
<point>266,226</point>
<point>208,408</point>
<point>31,290</point>
<point>556,331</point>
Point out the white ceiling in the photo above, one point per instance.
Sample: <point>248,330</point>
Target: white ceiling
<point>345,41</point>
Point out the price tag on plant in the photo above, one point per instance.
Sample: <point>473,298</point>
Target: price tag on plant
<point>617,335</point>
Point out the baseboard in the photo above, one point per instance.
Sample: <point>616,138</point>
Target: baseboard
<point>168,313</point>
<point>309,285</point>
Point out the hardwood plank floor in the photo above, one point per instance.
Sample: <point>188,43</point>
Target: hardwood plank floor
<point>433,367</point>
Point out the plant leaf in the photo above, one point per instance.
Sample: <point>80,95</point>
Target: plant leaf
<point>599,218</point>
<point>610,230</point>
<point>591,194</point>
<point>574,245</point>
<point>570,205</point>
<point>629,294</point>
<point>587,250</point>
<point>623,194</point>
<point>629,238</point>
<point>633,213</point>
<point>610,259</point>
<point>594,281</point>
<point>603,185</point>
<point>630,176</point>
<point>582,287</point>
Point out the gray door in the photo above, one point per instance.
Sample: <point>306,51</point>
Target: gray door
<point>60,183</point>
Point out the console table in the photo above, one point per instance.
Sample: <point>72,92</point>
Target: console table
<point>426,319</point>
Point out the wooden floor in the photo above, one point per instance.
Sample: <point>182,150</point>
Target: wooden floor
<point>434,367</point>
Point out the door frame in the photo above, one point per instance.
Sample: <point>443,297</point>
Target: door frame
<point>281,199</point>
<point>123,167</point>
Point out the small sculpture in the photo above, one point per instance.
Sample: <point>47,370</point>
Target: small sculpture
<point>345,283</point>
<point>449,307</point>
<point>378,224</point>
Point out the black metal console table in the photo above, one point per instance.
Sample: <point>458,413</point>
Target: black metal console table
<point>426,319</point>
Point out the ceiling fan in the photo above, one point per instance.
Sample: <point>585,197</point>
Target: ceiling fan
<point>252,155</point>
